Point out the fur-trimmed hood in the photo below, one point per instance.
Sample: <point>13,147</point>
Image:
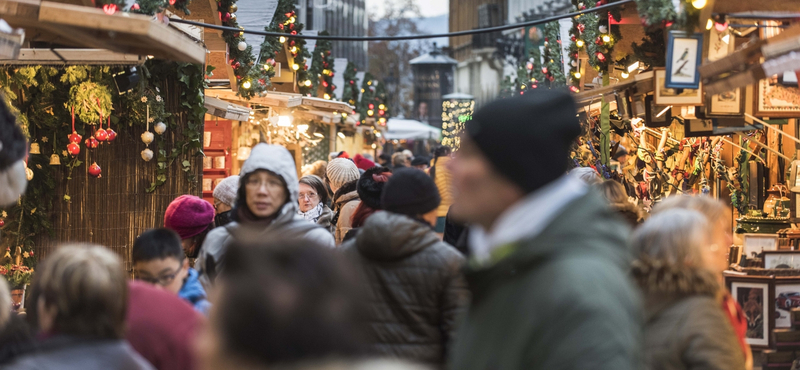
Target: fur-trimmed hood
<point>345,194</point>
<point>663,284</point>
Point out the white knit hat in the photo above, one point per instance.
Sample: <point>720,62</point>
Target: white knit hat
<point>226,190</point>
<point>342,171</point>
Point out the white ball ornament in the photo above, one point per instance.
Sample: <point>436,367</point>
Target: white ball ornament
<point>574,63</point>
<point>147,154</point>
<point>602,29</point>
<point>241,46</point>
<point>147,137</point>
<point>160,128</point>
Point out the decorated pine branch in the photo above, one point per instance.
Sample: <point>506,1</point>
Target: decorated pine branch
<point>367,98</point>
<point>351,91</point>
<point>321,71</point>
<point>552,66</point>
<point>285,21</point>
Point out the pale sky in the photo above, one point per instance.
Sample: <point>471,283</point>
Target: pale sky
<point>428,8</point>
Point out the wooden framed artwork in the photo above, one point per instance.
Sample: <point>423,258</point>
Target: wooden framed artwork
<point>684,54</point>
<point>787,297</point>
<point>727,104</point>
<point>656,115</point>
<point>667,96</point>
<point>697,127</point>
<point>775,96</point>
<point>756,296</point>
<point>720,44</point>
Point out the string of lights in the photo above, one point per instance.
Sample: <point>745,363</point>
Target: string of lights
<point>409,37</point>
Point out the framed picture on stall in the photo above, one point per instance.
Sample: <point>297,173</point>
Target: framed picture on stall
<point>755,294</point>
<point>776,96</point>
<point>684,54</point>
<point>754,244</point>
<point>697,127</point>
<point>656,115</point>
<point>727,104</point>
<point>787,297</point>
<point>667,96</point>
<point>782,260</point>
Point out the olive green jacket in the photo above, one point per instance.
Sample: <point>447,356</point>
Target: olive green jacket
<point>561,300</point>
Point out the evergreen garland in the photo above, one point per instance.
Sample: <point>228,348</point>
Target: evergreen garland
<point>351,92</point>
<point>151,7</point>
<point>321,70</point>
<point>381,103</point>
<point>598,45</point>
<point>653,50</point>
<point>243,62</point>
<point>552,66</point>
<point>367,99</point>
<point>662,14</point>
<point>285,21</point>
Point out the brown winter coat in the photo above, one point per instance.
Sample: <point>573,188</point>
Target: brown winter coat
<point>345,202</point>
<point>685,326</point>
<point>416,290</point>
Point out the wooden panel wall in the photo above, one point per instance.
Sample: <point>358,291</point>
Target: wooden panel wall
<point>114,209</point>
<point>464,16</point>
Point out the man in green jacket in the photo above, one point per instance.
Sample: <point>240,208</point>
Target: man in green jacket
<point>549,268</point>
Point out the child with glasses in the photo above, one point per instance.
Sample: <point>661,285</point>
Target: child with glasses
<point>158,259</point>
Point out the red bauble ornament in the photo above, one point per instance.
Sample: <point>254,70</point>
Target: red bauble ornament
<point>294,32</point>
<point>668,24</point>
<point>291,26</point>
<point>101,134</point>
<point>325,64</point>
<point>601,57</point>
<point>581,28</point>
<point>171,2</point>
<point>236,65</point>
<point>226,17</point>
<point>331,75</point>
<point>288,15</point>
<point>92,143</point>
<point>599,40</point>
<point>95,170</point>
<point>583,7</point>
<point>325,83</point>
<point>280,26</point>
<point>2,223</point>
<point>112,135</point>
<point>74,137</point>
<point>544,69</point>
<point>352,82</point>
<point>74,149</point>
<point>329,52</point>
<point>601,2</point>
<point>573,38</point>
<point>135,7</point>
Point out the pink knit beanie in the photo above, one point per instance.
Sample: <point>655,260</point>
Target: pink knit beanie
<point>188,215</point>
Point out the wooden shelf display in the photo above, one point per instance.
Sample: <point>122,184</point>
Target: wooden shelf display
<point>217,162</point>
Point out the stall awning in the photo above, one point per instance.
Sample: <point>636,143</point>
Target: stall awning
<point>408,129</point>
<point>223,109</point>
<point>74,57</point>
<point>308,107</point>
<point>89,27</point>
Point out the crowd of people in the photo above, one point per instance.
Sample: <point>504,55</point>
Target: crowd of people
<point>494,257</point>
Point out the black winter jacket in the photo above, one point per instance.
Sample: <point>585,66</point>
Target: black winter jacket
<point>416,290</point>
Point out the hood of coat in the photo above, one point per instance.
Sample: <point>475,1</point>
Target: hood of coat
<point>663,284</point>
<point>276,159</point>
<point>346,193</point>
<point>388,236</point>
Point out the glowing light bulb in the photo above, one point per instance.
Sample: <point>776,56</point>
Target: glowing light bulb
<point>382,107</point>
<point>577,75</point>
<point>579,43</point>
<point>327,97</point>
<point>606,38</point>
<point>709,24</point>
<point>699,4</point>
<point>296,66</point>
<point>246,85</point>
<point>307,83</point>
<point>370,112</point>
<point>624,75</point>
<point>282,39</point>
<point>294,49</point>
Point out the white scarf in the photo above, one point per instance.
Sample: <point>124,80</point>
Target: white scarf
<point>312,215</point>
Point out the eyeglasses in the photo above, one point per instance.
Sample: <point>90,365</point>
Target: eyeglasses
<point>309,196</point>
<point>162,280</point>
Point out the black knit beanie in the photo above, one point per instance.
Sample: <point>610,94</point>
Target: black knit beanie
<point>527,138</point>
<point>370,186</point>
<point>410,192</point>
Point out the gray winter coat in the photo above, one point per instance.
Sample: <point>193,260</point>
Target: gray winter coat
<point>416,290</point>
<point>67,353</point>
<point>686,328</point>
<point>288,224</point>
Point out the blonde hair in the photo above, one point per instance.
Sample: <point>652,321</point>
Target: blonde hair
<point>613,191</point>
<point>318,168</point>
<point>673,236</point>
<point>714,210</point>
<point>86,286</point>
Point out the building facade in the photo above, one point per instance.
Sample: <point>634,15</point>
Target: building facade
<point>479,72</point>
<point>339,18</point>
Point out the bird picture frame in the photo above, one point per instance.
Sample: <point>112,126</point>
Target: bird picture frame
<point>684,54</point>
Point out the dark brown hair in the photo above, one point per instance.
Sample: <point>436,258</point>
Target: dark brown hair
<point>319,186</point>
<point>286,301</point>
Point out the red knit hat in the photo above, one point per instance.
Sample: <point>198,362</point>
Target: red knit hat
<point>363,163</point>
<point>188,215</point>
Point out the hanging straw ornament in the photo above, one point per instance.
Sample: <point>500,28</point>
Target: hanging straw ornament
<point>74,139</point>
<point>147,138</point>
<point>160,128</point>
<point>55,160</point>
<point>111,134</point>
